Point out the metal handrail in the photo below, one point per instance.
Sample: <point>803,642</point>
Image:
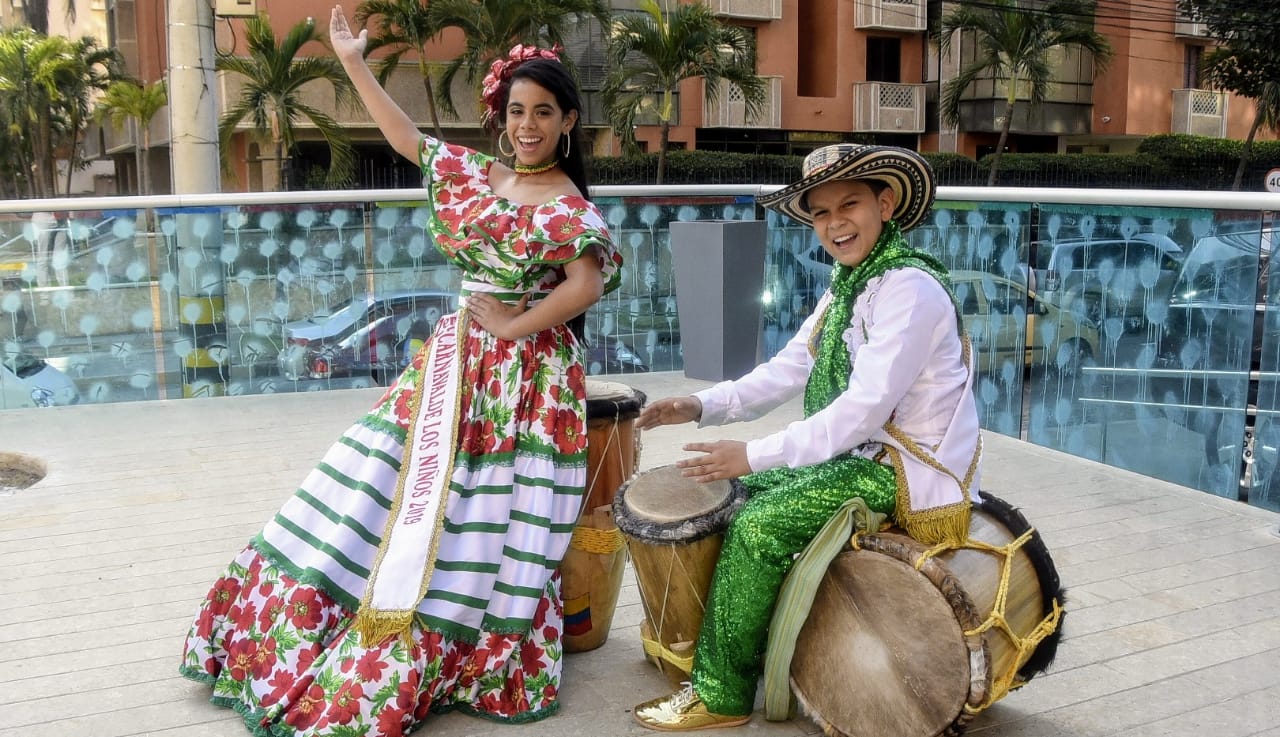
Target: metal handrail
<point>1269,201</point>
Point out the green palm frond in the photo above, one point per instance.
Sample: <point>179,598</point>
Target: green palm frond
<point>652,52</point>
<point>271,100</point>
<point>1013,40</point>
<point>492,27</point>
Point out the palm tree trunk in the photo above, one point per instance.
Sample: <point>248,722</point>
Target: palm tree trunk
<point>144,168</point>
<point>138,158</point>
<point>36,13</point>
<point>281,184</point>
<point>662,149</point>
<point>1004,138</point>
<point>431,99</point>
<point>72,158</point>
<point>1246,151</point>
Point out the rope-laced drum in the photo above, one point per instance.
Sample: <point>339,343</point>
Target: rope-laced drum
<point>906,640</point>
<point>591,573</point>
<point>674,528</point>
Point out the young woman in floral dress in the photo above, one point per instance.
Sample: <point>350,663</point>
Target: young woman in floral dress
<point>414,569</point>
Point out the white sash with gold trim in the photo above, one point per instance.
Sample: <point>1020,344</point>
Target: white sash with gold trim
<point>406,556</point>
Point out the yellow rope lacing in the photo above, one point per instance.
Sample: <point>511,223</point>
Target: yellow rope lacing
<point>1001,683</point>
<point>596,541</point>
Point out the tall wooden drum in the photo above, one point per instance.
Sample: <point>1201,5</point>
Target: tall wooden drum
<point>906,641</point>
<point>591,573</point>
<point>674,529</point>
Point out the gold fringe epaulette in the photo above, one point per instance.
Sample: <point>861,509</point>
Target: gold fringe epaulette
<point>375,626</point>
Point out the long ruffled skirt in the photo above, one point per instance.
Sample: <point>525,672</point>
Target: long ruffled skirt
<point>274,636</point>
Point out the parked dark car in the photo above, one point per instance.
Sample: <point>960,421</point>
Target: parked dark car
<point>376,336</point>
<point>364,337</point>
<point>1110,277</point>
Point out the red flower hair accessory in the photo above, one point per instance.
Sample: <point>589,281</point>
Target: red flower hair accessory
<point>500,73</point>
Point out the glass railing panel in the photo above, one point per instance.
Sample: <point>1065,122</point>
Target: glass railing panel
<point>285,270</point>
<point>76,308</point>
<point>797,271</point>
<point>1165,390</point>
<point>1262,482</point>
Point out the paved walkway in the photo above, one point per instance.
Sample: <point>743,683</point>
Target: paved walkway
<point>1174,595</point>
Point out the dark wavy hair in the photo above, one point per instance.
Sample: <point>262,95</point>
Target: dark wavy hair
<point>552,76</point>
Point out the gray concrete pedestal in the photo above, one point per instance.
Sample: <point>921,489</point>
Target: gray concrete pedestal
<point>719,277</point>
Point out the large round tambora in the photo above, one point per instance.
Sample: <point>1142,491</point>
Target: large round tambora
<point>884,652</point>
<point>592,570</point>
<point>674,528</point>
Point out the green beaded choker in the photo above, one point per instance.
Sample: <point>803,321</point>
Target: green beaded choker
<point>525,170</point>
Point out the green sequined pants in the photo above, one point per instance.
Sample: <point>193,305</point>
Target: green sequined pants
<point>785,510</point>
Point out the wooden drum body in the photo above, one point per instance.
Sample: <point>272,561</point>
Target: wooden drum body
<point>592,570</point>
<point>674,529</point>
<point>902,643</point>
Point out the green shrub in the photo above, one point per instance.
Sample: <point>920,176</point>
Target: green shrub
<point>1162,162</point>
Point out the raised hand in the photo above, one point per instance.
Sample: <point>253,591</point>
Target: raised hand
<point>346,46</point>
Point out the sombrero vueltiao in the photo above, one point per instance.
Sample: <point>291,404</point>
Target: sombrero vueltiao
<point>905,171</point>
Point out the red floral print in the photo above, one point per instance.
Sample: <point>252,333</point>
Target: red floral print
<point>304,609</point>
<point>391,721</point>
<point>560,253</point>
<point>224,592</point>
<point>241,655</point>
<point>243,614</point>
<point>271,610</point>
<point>370,666</point>
<point>564,227</point>
<point>307,710</point>
<point>264,660</point>
<point>446,166</point>
<point>281,682</point>
<point>346,704</point>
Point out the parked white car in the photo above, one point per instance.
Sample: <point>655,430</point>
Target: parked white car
<point>27,380</point>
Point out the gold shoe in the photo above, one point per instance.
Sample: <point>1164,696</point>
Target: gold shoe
<point>683,711</point>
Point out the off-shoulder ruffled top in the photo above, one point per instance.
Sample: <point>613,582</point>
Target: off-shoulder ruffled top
<point>511,246</point>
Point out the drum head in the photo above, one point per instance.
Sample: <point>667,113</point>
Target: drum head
<point>611,400</point>
<point>881,654</point>
<point>661,505</point>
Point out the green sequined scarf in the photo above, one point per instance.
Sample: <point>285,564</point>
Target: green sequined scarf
<point>830,375</point>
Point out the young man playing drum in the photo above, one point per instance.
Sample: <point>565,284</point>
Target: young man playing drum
<point>889,417</point>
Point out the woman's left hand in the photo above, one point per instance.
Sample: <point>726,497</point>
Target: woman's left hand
<point>497,316</point>
<point>724,459</point>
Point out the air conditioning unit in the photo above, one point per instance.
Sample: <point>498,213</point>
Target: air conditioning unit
<point>235,8</point>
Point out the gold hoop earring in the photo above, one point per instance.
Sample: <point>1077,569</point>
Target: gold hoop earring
<point>510,153</point>
<point>568,145</point>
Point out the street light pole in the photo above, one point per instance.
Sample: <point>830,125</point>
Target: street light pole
<point>195,169</point>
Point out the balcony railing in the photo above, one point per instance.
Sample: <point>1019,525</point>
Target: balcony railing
<point>884,107</point>
<point>751,9</point>
<point>405,86</point>
<point>890,15</point>
<point>1184,27</point>
<point>1199,113</point>
<point>730,109</point>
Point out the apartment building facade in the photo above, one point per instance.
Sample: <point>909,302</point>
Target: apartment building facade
<point>836,70</point>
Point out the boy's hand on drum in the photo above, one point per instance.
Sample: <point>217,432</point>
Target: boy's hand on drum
<point>724,459</point>
<point>670,411</point>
